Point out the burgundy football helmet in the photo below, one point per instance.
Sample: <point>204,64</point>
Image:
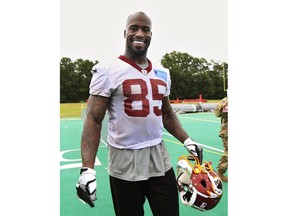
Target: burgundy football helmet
<point>199,185</point>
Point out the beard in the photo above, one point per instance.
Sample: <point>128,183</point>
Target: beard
<point>137,52</point>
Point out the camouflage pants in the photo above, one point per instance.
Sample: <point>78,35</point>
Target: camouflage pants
<point>223,162</point>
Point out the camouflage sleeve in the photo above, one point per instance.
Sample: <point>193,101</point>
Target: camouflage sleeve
<point>219,108</point>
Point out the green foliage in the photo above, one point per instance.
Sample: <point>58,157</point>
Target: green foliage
<point>193,76</point>
<point>75,77</point>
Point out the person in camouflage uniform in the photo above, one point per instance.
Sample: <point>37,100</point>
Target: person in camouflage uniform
<point>221,110</point>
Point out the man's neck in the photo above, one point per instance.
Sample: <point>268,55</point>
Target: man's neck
<point>137,59</point>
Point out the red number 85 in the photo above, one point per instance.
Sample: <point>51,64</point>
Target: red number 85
<point>145,110</point>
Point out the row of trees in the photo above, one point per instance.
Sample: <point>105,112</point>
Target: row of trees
<point>193,76</point>
<point>75,78</point>
<point>190,77</point>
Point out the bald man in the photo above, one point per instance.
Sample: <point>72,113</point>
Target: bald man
<point>136,95</point>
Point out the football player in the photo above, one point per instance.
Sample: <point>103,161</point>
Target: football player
<point>136,94</point>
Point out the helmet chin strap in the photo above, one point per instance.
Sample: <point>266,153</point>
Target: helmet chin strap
<point>188,198</point>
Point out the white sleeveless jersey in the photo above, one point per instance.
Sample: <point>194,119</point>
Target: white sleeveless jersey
<point>135,116</point>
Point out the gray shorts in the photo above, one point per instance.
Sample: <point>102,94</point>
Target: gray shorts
<point>140,164</point>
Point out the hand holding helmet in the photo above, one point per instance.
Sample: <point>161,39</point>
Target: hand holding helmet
<point>194,149</point>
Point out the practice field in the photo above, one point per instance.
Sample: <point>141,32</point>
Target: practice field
<point>203,127</point>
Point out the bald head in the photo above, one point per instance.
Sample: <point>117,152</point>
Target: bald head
<point>138,15</point>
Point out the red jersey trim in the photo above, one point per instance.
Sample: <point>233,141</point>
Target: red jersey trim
<point>133,64</point>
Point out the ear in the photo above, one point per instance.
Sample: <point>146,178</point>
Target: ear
<point>124,33</point>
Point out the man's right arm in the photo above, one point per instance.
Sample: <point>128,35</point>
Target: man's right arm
<point>95,113</point>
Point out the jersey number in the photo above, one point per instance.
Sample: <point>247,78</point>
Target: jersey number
<point>141,96</point>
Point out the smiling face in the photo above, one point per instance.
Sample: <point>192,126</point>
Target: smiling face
<point>137,34</point>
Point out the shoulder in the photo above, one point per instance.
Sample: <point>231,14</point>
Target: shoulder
<point>161,72</point>
<point>224,101</point>
<point>107,66</point>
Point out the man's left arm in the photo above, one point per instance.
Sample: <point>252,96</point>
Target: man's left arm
<point>171,122</point>
<point>174,127</point>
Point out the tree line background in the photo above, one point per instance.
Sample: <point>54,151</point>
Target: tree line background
<point>190,77</point>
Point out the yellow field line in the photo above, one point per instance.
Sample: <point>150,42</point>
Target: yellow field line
<point>198,119</point>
